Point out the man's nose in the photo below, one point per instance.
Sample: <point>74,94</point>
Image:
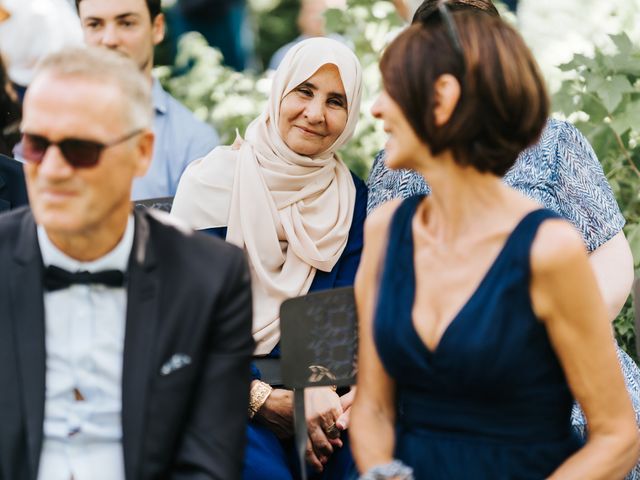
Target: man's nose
<point>110,36</point>
<point>54,165</point>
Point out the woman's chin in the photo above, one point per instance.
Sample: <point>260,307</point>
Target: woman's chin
<point>391,158</point>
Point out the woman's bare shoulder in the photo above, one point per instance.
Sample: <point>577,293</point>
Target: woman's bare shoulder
<point>378,221</point>
<point>556,247</point>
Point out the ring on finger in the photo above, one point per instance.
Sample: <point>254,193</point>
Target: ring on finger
<point>332,431</point>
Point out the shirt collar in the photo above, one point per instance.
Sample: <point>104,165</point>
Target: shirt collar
<point>159,97</point>
<point>116,259</point>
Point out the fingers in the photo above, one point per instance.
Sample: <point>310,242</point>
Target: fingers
<point>320,444</point>
<point>343,421</point>
<point>346,400</point>
<point>333,434</point>
<point>312,459</point>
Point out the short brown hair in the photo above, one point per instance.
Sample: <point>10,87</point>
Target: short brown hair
<point>154,7</point>
<point>503,105</point>
<point>429,7</point>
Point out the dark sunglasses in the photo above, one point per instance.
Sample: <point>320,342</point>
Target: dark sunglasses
<point>452,31</point>
<point>78,153</point>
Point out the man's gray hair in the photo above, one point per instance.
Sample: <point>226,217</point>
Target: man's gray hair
<point>105,66</point>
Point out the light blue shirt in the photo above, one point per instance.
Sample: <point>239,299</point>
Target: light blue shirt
<point>84,339</point>
<point>180,139</point>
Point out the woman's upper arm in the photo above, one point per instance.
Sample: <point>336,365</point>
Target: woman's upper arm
<point>612,263</point>
<point>565,296</point>
<point>374,384</point>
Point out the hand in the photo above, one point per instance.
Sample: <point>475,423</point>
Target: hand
<point>276,413</point>
<point>346,400</point>
<point>323,408</point>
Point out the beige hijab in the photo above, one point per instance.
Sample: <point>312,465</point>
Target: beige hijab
<point>291,213</point>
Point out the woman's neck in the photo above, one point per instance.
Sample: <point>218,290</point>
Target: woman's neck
<point>462,199</point>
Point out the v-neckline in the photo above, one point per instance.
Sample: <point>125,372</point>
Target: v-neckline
<point>485,278</point>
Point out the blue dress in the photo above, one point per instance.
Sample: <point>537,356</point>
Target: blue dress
<point>491,401</point>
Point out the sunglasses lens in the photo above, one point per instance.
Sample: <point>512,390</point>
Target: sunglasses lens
<point>34,147</point>
<point>81,153</point>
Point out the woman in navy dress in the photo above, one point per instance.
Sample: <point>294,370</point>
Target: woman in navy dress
<point>285,196</point>
<point>480,317</point>
<point>561,172</point>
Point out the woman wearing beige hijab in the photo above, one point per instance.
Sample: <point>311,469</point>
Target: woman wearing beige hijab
<point>285,196</point>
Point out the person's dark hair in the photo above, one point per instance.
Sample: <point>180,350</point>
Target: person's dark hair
<point>503,105</point>
<point>429,7</point>
<point>10,114</point>
<point>154,7</point>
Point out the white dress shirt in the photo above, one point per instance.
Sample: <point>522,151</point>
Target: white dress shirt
<point>84,338</point>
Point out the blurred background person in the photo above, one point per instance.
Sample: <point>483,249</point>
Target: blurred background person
<point>223,23</point>
<point>32,30</point>
<point>9,114</point>
<point>311,23</point>
<point>480,315</point>
<point>286,197</point>
<point>134,28</point>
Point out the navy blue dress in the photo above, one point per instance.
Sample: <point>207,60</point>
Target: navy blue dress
<point>491,401</point>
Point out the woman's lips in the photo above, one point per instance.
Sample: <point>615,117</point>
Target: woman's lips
<point>306,131</point>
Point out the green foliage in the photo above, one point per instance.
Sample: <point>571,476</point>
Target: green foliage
<point>603,100</point>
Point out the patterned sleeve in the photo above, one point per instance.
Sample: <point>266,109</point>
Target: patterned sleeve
<point>584,195</point>
<point>377,193</point>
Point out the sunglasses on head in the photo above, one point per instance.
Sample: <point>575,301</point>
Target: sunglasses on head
<point>77,152</point>
<point>452,31</point>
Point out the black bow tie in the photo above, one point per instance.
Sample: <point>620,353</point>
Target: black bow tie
<point>56,278</point>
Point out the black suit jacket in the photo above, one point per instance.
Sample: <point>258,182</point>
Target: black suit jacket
<point>187,294</point>
<point>13,191</point>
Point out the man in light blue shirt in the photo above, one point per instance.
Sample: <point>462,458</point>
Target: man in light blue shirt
<point>133,28</point>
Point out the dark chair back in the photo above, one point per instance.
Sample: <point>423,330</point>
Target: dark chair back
<point>160,203</point>
<point>319,345</point>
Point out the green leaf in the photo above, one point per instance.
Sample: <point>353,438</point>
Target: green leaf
<point>627,119</point>
<point>612,91</point>
<point>623,43</point>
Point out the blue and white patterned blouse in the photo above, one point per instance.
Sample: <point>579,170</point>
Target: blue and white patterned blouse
<point>561,172</point>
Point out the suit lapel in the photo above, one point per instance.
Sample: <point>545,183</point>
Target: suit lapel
<point>27,306</point>
<point>142,313</point>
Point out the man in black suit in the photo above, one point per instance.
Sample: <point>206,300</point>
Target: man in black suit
<point>13,192</point>
<point>125,342</point>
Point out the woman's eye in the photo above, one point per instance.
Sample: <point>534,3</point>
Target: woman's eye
<point>306,92</point>
<point>336,102</point>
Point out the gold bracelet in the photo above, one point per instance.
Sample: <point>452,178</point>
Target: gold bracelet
<point>258,395</point>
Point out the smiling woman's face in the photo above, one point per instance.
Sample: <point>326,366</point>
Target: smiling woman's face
<point>314,114</point>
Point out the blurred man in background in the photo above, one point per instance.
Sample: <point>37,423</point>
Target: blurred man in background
<point>134,28</point>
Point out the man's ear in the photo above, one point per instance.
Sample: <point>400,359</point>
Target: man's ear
<point>447,94</point>
<point>144,150</point>
<point>158,28</point>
